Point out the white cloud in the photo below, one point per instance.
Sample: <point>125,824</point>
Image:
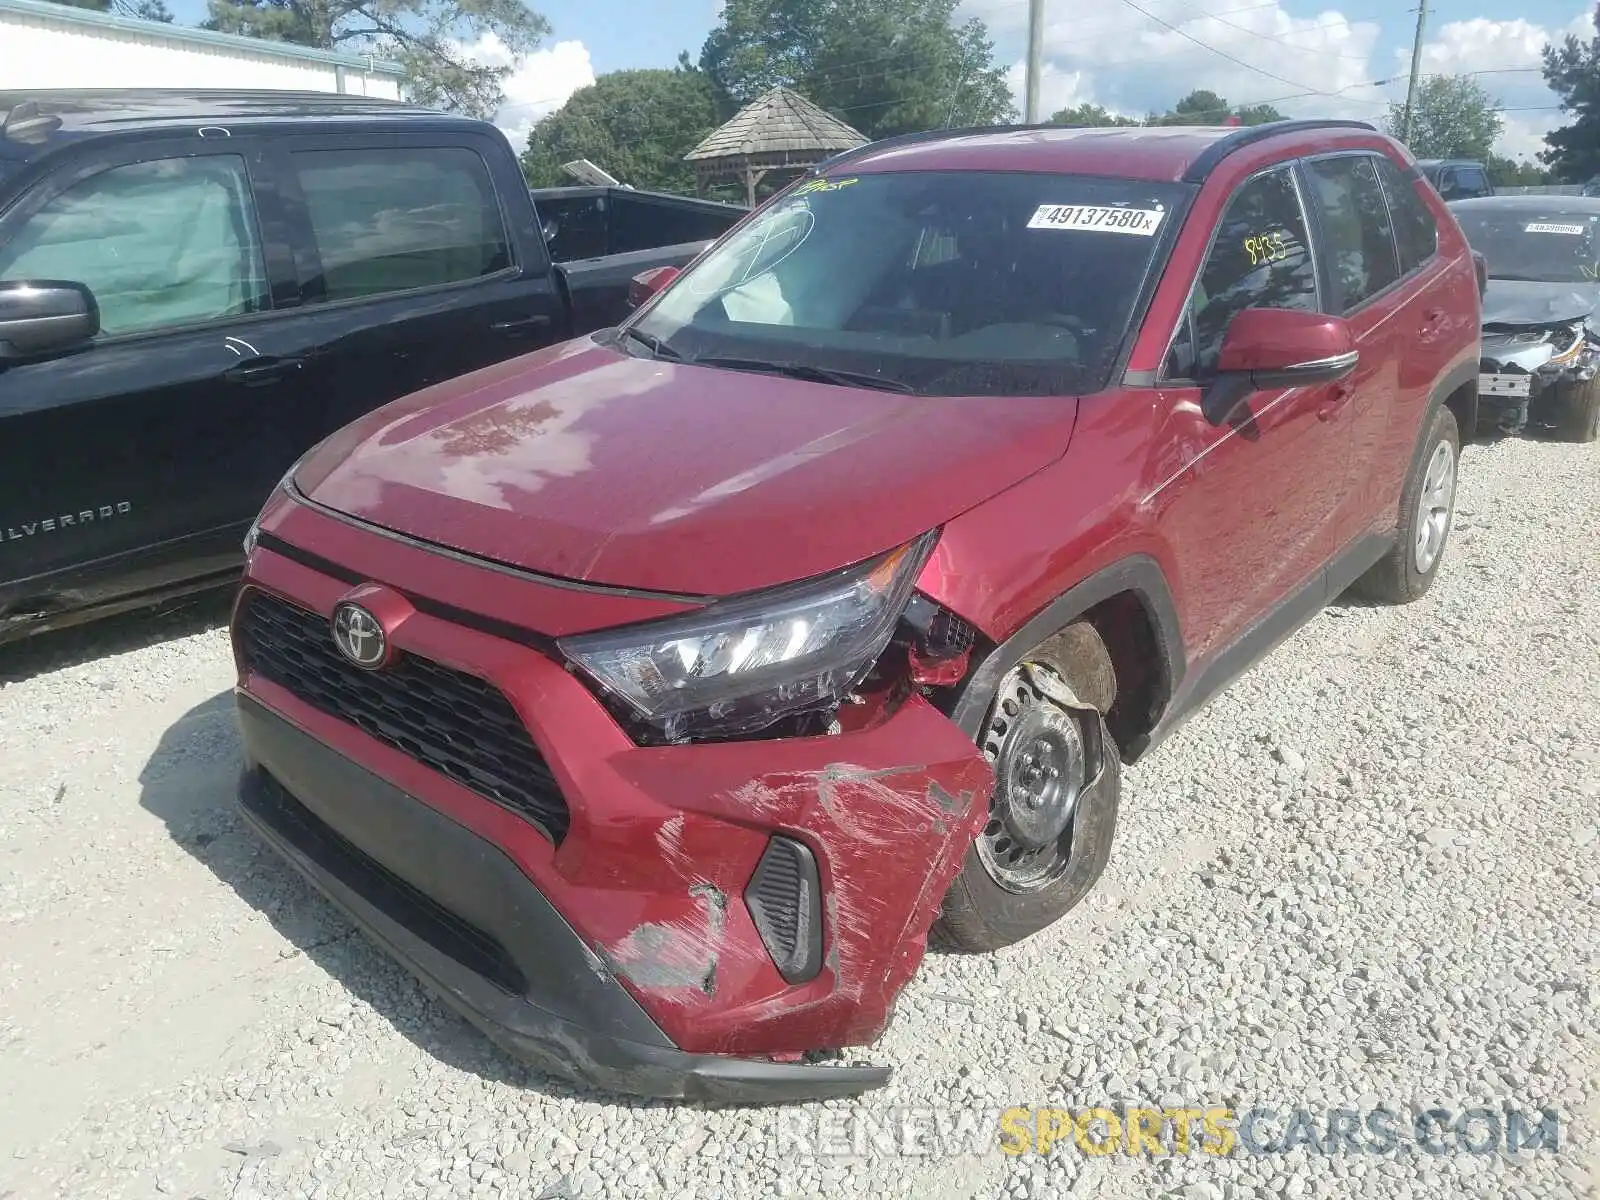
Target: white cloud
<point>539,84</point>
<point>1132,63</point>
<point>1504,56</point>
<point>1058,89</point>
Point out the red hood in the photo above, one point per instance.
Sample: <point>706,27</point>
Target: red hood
<point>585,462</point>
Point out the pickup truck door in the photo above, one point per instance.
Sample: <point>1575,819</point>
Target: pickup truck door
<point>420,257</point>
<point>142,455</point>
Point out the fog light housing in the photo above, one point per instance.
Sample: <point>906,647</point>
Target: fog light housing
<point>784,897</point>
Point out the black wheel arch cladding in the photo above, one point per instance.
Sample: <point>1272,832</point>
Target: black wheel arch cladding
<point>1137,575</point>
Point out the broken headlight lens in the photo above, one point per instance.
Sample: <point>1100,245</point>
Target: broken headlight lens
<point>741,665</point>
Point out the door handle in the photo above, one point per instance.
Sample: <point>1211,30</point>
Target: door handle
<point>254,372</point>
<point>1431,322</point>
<point>1341,396</point>
<point>521,324</point>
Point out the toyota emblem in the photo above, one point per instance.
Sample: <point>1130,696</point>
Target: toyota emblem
<point>359,637</point>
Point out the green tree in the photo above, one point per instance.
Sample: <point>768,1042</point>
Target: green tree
<point>883,66</point>
<point>151,10</point>
<point>1202,107</point>
<point>1090,116</point>
<point>1508,172</point>
<point>1453,117</point>
<point>425,36</point>
<point>1572,70</point>
<point>637,125</point>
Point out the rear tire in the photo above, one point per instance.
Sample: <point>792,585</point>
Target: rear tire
<point>1022,873</point>
<point>1427,513</point>
<point>1580,415</point>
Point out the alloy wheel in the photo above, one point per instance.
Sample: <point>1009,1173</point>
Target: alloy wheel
<point>1435,507</point>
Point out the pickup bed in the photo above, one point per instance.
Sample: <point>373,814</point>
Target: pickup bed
<point>197,287</point>
<point>601,237</point>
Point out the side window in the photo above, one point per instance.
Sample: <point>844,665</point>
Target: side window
<point>164,243</point>
<point>1261,259</point>
<point>1355,218</point>
<point>393,220</point>
<point>1416,233</point>
<point>1472,181</point>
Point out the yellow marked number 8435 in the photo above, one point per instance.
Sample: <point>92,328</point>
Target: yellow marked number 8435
<point>1266,248</point>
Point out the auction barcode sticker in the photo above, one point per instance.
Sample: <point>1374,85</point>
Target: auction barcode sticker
<point>1140,221</point>
<point>1547,227</point>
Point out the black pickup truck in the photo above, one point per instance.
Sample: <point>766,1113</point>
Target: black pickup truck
<point>196,287</point>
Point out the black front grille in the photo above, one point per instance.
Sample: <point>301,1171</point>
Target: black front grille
<point>455,723</point>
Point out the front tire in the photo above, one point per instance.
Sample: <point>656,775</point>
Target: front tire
<point>1427,512</point>
<point>1058,781</point>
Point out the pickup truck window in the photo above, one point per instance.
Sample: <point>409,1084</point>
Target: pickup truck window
<point>161,243</point>
<point>949,283</point>
<point>394,220</point>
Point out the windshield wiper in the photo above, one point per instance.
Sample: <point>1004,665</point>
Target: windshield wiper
<point>652,343</point>
<point>806,371</point>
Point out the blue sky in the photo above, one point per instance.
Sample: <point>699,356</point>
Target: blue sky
<point>1133,55</point>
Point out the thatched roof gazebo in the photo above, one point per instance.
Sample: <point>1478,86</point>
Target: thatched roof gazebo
<point>778,131</point>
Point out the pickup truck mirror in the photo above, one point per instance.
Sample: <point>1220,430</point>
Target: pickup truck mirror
<point>1480,265</point>
<point>1266,348</point>
<point>646,284</point>
<point>38,316</point>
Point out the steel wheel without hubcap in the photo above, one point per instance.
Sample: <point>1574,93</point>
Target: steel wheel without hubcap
<point>1435,507</point>
<point>1040,767</point>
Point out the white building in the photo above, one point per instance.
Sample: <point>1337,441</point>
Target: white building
<point>45,45</point>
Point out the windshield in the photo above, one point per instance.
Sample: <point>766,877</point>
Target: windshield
<point>940,283</point>
<point>1548,247</point>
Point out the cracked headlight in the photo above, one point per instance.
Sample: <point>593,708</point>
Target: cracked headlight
<point>740,665</point>
<point>1569,342</point>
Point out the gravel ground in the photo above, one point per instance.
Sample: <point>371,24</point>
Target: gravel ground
<point>1365,876</point>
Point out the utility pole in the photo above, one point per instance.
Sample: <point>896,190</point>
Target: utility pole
<point>1035,59</point>
<point>1416,64</point>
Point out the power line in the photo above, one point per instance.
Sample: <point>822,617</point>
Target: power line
<point>1212,49</point>
<point>1277,41</point>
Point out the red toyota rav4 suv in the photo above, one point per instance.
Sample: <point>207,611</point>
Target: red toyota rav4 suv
<point>652,695</point>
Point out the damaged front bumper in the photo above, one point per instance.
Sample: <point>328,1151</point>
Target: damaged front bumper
<point>1527,373</point>
<point>405,874</point>
<point>702,921</point>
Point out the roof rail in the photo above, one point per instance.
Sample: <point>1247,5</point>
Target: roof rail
<point>1207,160</point>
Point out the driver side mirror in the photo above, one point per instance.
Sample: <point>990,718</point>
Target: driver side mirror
<point>40,316</point>
<point>647,284</point>
<point>1270,348</point>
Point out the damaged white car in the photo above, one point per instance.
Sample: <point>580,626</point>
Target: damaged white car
<point>1541,328</point>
